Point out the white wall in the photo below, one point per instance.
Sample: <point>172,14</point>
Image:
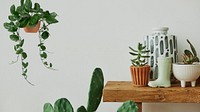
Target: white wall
<point>91,33</point>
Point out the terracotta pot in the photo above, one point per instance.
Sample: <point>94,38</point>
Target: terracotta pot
<point>29,29</point>
<point>140,75</point>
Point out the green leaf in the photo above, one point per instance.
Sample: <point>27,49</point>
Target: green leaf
<point>23,22</point>
<point>25,71</point>
<point>12,18</point>
<point>145,56</point>
<point>14,37</point>
<point>12,9</point>
<point>21,43</point>
<point>43,55</point>
<point>24,64</point>
<point>50,17</point>
<point>48,107</point>
<point>22,2</point>
<point>50,65</point>
<point>10,27</point>
<point>28,5</point>
<point>45,35</point>
<point>192,48</point>
<point>24,55</point>
<point>40,44</point>
<point>134,54</point>
<point>133,49</point>
<point>143,47</point>
<point>42,47</point>
<point>20,9</point>
<point>96,90</point>
<point>17,16</point>
<point>15,48</point>
<point>63,105</point>
<point>188,53</point>
<point>19,51</point>
<point>51,20</point>
<point>139,46</point>
<point>36,7</point>
<point>81,109</point>
<point>34,20</point>
<point>45,63</point>
<point>53,14</point>
<point>7,25</point>
<point>128,106</point>
<point>24,74</point>
<point>146,51</point>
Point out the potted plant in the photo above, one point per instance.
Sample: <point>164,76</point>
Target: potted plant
<point>32,18</point>
<point>189,69</point>
<point>139,69</point>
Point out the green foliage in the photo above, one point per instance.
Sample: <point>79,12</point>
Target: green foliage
<point>48,108</point>
<point>139,57</point>
<point>128,106</point>
<point>189,57</point>
<point>29,14</point>
<point>95,94</point>
<point>63,105</point>
<point>81,109</point>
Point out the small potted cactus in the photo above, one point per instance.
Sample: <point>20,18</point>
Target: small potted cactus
<point>189,69</point>
<point>139,68</point>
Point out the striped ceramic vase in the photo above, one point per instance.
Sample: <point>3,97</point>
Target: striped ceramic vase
<point>160,44</point>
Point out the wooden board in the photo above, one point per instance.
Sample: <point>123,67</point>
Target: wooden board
<point>120,91</point>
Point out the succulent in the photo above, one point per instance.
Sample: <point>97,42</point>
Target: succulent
<point>128,106</point>
<point>95,94</point>
<point>28,14</point>
<point>139,55</point>
<point>189,57</point>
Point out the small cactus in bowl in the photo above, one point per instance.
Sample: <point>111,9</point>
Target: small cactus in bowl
<point>189,57</point>
<point>189,69</point>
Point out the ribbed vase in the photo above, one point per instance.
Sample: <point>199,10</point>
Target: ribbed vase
<point>140,75</point>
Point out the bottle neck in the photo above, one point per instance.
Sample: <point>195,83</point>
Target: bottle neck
<point>160,30</point>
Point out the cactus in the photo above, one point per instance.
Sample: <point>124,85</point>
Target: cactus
<point>48,108</point>
<point>63,105</point>
<point>128,106</point>
<point>81,109</point>
<point>188,56</point>
<point>139,59</point>
<point>95,94</point>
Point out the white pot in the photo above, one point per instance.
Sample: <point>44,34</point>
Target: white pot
<point>186,73</point>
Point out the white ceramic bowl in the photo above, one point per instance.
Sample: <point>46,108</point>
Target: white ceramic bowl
<point>186,73</point>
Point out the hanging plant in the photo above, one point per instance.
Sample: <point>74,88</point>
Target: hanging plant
<point>30,16</point>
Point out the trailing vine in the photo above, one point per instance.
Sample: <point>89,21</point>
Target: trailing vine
<point>27,14</point>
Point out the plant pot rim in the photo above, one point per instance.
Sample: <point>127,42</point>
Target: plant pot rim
<point>182,64</point>
<point>145,66</point>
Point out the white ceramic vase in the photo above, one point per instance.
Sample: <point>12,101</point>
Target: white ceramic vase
<point>186,73</point>
<point>160,44</point>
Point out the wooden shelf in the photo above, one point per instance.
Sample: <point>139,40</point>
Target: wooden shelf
<point>120,91</point>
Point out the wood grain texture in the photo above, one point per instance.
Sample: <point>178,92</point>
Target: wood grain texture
<point>120,91</point>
